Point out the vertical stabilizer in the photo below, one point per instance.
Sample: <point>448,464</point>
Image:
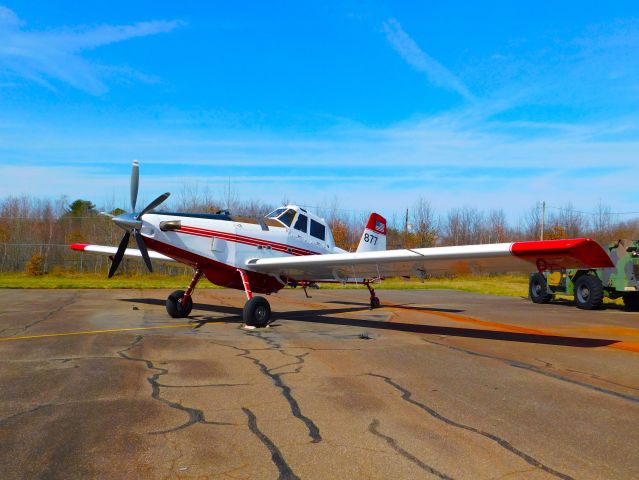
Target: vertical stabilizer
<point>374,236</point>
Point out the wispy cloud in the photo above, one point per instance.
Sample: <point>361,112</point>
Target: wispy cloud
<point>455,159</point>
<point>421,61</point>
<point>45,57</point>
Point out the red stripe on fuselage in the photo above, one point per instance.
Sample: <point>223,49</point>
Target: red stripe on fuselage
<point>219,273</point>
<point>257,242</point>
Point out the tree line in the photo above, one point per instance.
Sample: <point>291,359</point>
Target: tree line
<point>35,233</point>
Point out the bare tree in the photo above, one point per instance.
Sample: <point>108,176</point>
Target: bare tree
<point>425,228</point>
<point>572,221</point>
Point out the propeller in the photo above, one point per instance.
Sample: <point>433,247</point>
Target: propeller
<point>132,223</point>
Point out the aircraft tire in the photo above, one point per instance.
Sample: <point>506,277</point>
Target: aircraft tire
<point>257,312</point>
<point>174,305</point>
<point>588,293</point>
<point>375,303</point>
<point>538,289</point>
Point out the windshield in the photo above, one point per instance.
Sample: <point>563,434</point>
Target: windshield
<point>276,213</point>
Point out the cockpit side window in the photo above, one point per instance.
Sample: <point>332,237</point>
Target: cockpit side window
<point>318,230</point>
<point>302,223</point>
<point>287,217</point>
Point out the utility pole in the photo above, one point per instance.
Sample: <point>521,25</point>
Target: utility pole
<point>543,218</point>
<point>406,229</point>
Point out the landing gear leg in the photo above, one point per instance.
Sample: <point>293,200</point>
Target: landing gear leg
<point>374,300</point>
<point>257,311</point>
<point>179,304</point>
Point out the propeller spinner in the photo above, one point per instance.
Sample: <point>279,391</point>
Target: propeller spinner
<point>132,223</point>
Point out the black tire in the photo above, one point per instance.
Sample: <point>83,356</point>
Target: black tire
<point>174,305</point>
<point>588,293</point>
<point>538,289</point>
<point>631,300</point>
<point>375,302</point>
<point>257,312</point>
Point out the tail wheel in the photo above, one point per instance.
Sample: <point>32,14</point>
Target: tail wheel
<point>257,312</point>
<point>631,300</point>
<point>174,305</point>
<point>538,289</point>
<point>588,292</point>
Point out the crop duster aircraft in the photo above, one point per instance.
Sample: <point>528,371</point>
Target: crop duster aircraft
<point>292,246</point>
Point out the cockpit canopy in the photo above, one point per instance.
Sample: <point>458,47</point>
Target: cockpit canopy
<point>297,219</point>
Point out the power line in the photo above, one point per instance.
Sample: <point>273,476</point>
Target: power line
<point>565,209</point>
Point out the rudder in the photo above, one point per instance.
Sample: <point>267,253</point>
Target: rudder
<point>374,236</point>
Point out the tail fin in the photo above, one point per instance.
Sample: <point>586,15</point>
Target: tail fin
<point>374,236</point>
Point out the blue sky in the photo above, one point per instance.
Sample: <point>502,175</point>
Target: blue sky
<point>370,104</point>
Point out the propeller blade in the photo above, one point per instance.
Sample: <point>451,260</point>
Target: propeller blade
<point>143,250</point>
<point>119,254</point>
<point>107,214</point>
<point>155,203</point>
<point>135,180</point>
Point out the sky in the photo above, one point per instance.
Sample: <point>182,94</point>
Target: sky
<point>368,105</point>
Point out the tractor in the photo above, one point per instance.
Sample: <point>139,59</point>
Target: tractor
<point>589,287</point>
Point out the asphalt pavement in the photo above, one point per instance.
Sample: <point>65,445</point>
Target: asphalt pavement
<point>435,384</point>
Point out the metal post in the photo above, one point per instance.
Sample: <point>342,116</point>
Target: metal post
<point>543,219</point>
<point>406,229</point>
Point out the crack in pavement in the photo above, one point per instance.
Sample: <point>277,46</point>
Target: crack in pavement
<point>195,415</point>
<point>535,369</point>
<point>374,429</point>
<point>276,456</point>
<point>46,316</point>
<point>597,377</point>
<point>407,396</point>
<point>276,378</point>
<point>313,429</point>
<point>6,420</point>
<point>205,385</point>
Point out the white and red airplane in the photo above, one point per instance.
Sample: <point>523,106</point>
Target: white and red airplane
<point>292,246</point>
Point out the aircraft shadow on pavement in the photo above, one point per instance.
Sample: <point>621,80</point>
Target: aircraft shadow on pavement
<point>462,332</point>
<point>323,316</point>
<point>403,306</point>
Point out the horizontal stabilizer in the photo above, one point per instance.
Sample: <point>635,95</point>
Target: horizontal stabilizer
<point>110,251</point>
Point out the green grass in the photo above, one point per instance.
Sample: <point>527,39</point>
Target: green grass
<point>93,280</point>
<point>512,285</point>
<point>509,285</point>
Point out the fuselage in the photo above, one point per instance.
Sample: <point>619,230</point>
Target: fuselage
<point>219,246</point>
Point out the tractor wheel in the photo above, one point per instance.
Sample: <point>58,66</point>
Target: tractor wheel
<point>257,312</point>
<point>588,292</point>
<point>174,305</point>
<point>631,300</point>
<point>538,289</point>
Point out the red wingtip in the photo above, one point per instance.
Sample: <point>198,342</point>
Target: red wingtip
<point>79,246</point>
<point>377,223</point>
<point>559,254</point>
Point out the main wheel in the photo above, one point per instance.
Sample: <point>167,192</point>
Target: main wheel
<point>374,302</point>
<point>631,300</point>
<point>588,292</point>
<point>538,289</point>
<point>174,305</point>
<point>257,312</point>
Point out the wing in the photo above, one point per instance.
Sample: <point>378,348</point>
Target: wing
<point>128,253</point>
<point>422,262</point>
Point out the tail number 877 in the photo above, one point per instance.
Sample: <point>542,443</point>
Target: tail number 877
<point>372,239</point>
